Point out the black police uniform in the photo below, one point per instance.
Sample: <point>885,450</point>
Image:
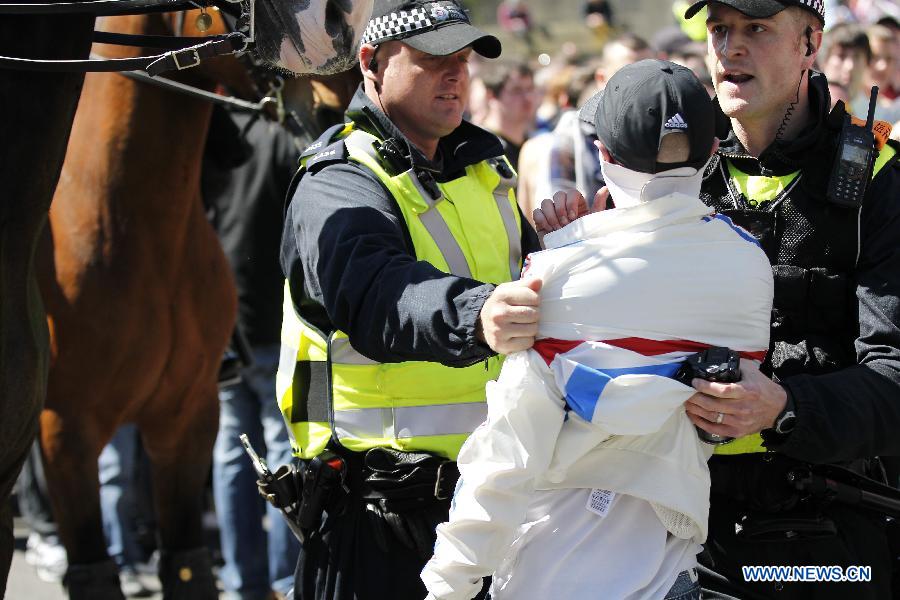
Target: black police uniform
<point>835,347</point>
<point>346,251</point>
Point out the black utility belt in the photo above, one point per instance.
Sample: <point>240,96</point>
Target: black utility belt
<point>401,478</point>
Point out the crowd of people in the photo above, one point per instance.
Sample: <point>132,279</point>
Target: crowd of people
<point>652,185</point>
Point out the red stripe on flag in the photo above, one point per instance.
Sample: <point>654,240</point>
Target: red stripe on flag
<point>548,348</point>
<point>656,347</point>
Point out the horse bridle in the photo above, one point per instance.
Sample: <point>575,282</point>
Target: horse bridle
<point>183,52</point>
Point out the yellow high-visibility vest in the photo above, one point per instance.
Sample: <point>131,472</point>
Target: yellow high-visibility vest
<point>326,389</point>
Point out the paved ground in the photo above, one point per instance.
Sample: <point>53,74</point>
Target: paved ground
<point>24,583</point>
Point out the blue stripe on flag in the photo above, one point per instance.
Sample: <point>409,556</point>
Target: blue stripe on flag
<point>585,385</point>
<point>738,230</point>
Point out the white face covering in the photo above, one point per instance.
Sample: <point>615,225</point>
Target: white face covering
<point>624,184</point>
<point>629,188</point>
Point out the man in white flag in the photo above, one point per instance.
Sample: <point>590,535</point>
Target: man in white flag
<point>588,477</point>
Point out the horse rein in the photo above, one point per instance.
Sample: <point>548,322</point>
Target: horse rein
<point>184,52</point>
<point>271,107</point>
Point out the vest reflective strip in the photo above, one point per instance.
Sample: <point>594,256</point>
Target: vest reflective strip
<point>501,195</point>
<point>440,232</point>
<point>344,354</point>
<point>432,219</point>
<point>409,422</point>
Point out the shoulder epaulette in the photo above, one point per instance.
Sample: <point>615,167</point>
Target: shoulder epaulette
<point>328,138</point>
<point>329,148</point>
<point>333,153</point>
<point>321,152</point>
<point>323,140</point>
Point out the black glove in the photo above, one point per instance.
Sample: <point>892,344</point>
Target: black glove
<point>409,490</point>
<point>415,529</point>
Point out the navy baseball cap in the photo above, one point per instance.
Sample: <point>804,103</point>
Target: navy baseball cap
<point>761,9</point>
<point>646,101</point>
<point>437,27</point>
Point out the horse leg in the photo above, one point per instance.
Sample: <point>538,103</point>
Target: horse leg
<point>37,114</point>
<point>6,544</point>
<point>71,446</point>
<point>23,363</point>
<point>179,441</point>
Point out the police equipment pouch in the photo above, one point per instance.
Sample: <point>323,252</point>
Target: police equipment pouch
<point>304,494</point>
<point>323,479</point>
<point>775,528</point>
<point>757,482</point>
<point>854,160</point>
<point>713,364</point>
<point>281,489</point>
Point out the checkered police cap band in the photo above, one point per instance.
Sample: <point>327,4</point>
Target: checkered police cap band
<point>406,23</point>
<point>817,6</point>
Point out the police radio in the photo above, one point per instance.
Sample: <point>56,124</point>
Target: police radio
<point>392,151</point>
<point>854,160</point>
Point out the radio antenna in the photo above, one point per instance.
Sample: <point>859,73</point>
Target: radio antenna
<point>870,118</point>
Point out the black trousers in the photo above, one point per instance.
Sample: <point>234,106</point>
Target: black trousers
<point>356,557</point>
<point>857,538</point>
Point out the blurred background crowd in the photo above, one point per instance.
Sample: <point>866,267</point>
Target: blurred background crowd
<point>556,55</point>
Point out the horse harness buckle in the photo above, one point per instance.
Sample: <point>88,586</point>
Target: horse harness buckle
<point>190,53</point>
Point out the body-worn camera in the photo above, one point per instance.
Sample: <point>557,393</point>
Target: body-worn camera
<point>713,364</point>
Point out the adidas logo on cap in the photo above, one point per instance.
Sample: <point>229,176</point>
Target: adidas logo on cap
<point>676,122</point>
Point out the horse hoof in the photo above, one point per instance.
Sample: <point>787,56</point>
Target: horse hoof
<point>187,575</point>
<point>95,581</point>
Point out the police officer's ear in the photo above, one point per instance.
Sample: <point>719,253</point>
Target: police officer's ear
<point>368,62</point>
<point>812,42</point>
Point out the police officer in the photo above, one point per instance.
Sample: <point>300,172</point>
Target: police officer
<point>829,390</point>
<point>400,248</point>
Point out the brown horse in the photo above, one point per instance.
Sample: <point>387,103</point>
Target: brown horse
<point>37,111</point>
<point>140,305</point>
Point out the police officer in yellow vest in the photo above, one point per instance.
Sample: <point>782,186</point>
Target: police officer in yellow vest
<point>829,390</point>
<point>826,401</point>
<point>402,246</point>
